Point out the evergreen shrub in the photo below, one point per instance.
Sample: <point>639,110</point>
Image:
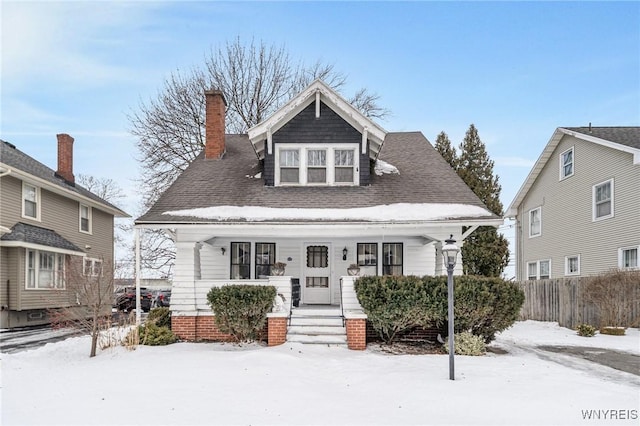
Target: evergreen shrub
<point>466,343</point>
<point>586,330</point>
<point>153,335</point>
<point>160,317</point>
<point>241,310</point>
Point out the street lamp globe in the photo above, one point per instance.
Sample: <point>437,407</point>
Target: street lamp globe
<point>450,252</point>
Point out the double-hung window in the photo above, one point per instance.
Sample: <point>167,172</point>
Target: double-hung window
<point>628,257</point>
<point>603,200</point>
<point>85,219</point>
<point>572,265</point>
<point>240,261</point>
<point>535,222</point>
<point>566,164</point>
<point>317,165</point>
<point>265,258</point>
<point>392,259</point>
<point>45,270</point>
<point>92,267</point>
<point>539,270</point>
<point>368,258</point>
<point>30,201</point>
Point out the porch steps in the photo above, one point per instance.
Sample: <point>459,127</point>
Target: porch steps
<point>321,325</point>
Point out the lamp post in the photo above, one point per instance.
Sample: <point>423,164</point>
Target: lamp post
<point>450,252</point>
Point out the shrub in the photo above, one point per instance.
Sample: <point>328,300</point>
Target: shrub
<point>241,310</point>
<point>160,317</point>
<point>395,304</point>
<point>153,335</point>
<point>586,330</point>
<point>615,294</point>
<point>613,331</point>
<point>466,343</point>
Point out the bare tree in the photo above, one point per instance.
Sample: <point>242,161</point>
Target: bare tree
<point>88,296</point>
<point>256,80</point>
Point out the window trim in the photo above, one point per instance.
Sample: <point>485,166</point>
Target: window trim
<point>36,270</point>
<point>93,262</point>
<point>611,200</point>
<point>566,265</point>
<point>330,166</point>
<point>38,202</point>
<point>537,274</point>
<point>621,251</point>
<point>539,210</point>
<point>89,219</point>
<point>573,163</point>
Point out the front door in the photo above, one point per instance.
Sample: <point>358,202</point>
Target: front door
<point>317,275</point>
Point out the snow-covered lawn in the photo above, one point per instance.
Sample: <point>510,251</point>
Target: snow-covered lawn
<point>206,383</point>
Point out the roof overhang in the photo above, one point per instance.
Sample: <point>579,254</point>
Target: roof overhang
<point>317,92</point>
<point>42,183</point>
<point>27,245</point>
<point>546,154</point>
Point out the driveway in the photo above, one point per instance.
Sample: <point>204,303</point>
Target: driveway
<point>623,361</point>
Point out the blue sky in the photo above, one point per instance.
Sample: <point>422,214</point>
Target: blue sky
<point>517,70</point>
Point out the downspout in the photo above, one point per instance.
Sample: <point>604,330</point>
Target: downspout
<point>137,272</point>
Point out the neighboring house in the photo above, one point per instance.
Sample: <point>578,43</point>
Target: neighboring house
<point>47,221</point>
<point>317,186</point>
<point>578,212</point>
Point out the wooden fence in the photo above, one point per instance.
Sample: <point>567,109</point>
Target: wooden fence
<point>562,300</point>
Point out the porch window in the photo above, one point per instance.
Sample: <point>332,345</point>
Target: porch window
<point>265,258</point>
<point>603,200</point>
<point>240,261</point>
<point>392,259</point>
<point>289,166</point>
<point>368,258</point>
<point>45,270</point>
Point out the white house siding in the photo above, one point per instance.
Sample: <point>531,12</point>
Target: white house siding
<point>568,228</point>
<point>419,259</point>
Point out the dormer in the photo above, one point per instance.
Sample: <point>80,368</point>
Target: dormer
<point>317,139</point>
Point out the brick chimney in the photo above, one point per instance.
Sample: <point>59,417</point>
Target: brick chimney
<point>214,124</point>
<point>65,158</point>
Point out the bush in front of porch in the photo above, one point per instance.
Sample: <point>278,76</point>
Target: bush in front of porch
<point>396,304</point>
<point>241,310</point>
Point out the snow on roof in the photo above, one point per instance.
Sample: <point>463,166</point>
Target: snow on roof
<point>383,167</point>
<point>382,213</point>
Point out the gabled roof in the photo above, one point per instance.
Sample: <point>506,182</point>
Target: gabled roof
<point>317,91</point>
<point>626,139</point>
<point>25,235</point>
<point>424,178</point>
<point>24,167</point>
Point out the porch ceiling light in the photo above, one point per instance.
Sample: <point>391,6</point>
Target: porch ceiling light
<point>344,253</point>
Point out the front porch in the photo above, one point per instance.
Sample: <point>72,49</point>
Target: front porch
<point>337,324</point>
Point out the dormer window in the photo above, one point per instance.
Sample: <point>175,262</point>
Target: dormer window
<point>317,165</point>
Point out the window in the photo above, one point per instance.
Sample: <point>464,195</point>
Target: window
<point>92,267</point>
<point>85,218</point>
<point>345,165</point>
<point>316,164</point>
<point>391,258</point>
<point>240,261</point>
<point>368,258</point>
<point>30,201</point>
<point>628,257</point>
<point>265,258</point>
<point>572,265</point>
<point>289,166</point>
<point>539,270</point>
<point>566,164</point>
<point>603,200</point>
<point>535,222</point>
<point>317,256</point>
<point>45,270</point>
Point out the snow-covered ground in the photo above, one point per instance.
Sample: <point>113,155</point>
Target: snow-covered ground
<point>292,384</point>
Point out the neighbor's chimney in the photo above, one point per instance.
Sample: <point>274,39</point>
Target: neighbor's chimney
<point>214,124</point>
<point>65,158</point>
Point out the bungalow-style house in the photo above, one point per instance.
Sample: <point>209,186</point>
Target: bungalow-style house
<point>317,186</point>
<point>47,221</point>
<point>578,211</point>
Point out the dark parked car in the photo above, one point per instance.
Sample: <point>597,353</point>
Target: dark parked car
<point>125,299</point>
<point>161,299</point>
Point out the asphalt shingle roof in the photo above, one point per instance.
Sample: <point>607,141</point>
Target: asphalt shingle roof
<point>629,136</point>
<point>425,177</point>
<point>31,234</point>
<point>13,157</point>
